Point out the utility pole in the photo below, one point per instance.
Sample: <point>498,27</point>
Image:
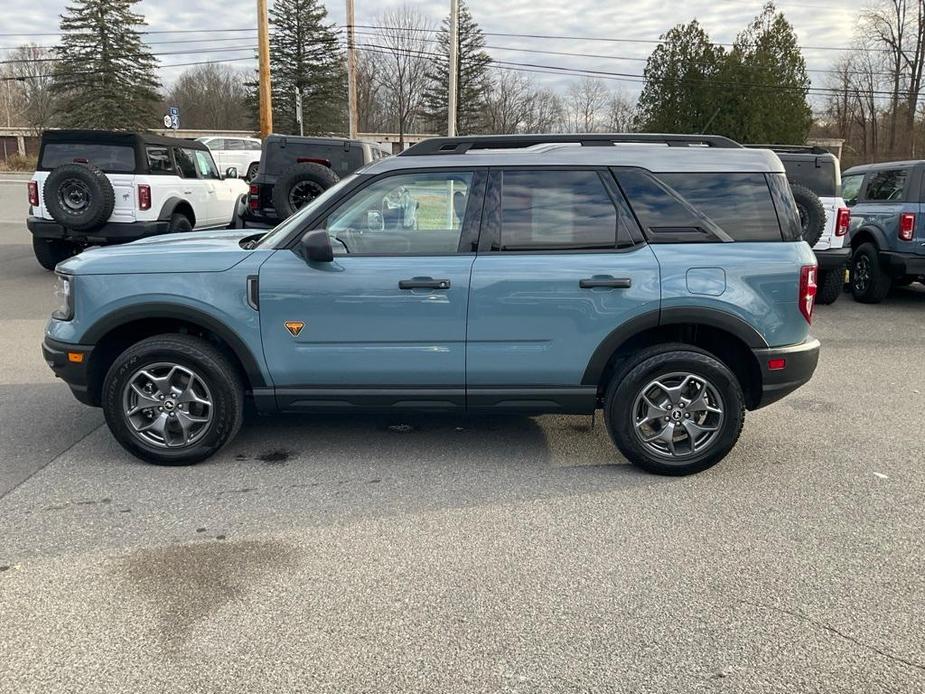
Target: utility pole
<point>454,69</point>
<point>298,111</point>
<point>263,45</point>
<point>352,116</point>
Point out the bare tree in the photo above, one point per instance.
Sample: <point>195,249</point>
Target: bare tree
<point>371,111</point>
<point>509,103</point>
<point>586,101</point>
<point>545,114</point>
<point>27,93</point>
<point>211,97</point>
<point>401,44</point>
<point>620,112</point>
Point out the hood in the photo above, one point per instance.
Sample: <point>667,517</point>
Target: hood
<point>196,251</point>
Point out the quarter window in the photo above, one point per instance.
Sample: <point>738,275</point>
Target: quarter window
<point>556,210</point>
<point>851,186</point>
<point>405,214</point>
<point>887,185</point>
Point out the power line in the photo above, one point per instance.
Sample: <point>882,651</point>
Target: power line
<point>120,56</point>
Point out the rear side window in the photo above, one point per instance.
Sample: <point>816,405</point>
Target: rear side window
<point>887,185</point>
<point>819,174</point>
<point>556,210</point>
<point>234,144</point>
<point>185,163</point>
<point>109,158</point>
<point>689,207</point>
<point>159,160</point>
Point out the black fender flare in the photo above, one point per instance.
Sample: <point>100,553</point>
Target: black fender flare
<point>187,314</point>
<point>712,317</point>
<point>170,205</point>
<point>878,234</point>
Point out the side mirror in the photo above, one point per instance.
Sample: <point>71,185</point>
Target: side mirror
<point>231,172</point>
<point>316,245</point>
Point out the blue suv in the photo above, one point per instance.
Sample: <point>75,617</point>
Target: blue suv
<point>660,278</point>
<point>887,236</point>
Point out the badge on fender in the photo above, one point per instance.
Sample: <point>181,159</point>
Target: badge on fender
<point>294,327</point>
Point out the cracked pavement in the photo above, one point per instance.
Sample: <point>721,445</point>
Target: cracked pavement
<point>486,555</point>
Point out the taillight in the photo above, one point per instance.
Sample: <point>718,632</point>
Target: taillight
<point>807,296</point>
<point>144,197</point>
<point>253,199</point>
<point>34,193</point>
<point>906,226</point>
<point>842,220</point>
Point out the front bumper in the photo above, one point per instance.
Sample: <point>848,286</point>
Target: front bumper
<point>60,357</point>
<point>111,232</point>
<point>833,259</point>
<point>799,364</point>
<point>902,264</point>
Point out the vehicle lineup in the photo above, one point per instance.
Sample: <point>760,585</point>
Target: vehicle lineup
<point>667,286</point>
<point>242,153</point>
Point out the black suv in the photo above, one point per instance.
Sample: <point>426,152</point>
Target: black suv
<point>295,170</point>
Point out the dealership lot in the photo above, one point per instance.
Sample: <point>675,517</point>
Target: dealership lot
<point>437,554</point>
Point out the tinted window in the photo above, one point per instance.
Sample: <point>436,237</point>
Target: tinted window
<point>234,144</point>
<point>204,163</point>
<point>850,187</point>
<point>109,158</point>
<point>253,144</point>
<point>412,213</point>
<point>887,185</point>
<point>159,160</point>
<point>819,174</point>
<point>215,143</point>
<point>185,163</point>
<point>555,210</point>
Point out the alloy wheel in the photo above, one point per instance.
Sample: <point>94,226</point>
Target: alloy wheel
<point>167,405</point>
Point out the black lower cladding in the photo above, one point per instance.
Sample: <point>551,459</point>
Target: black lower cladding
<point>111,231</point>
<point>902,264</point>
<point>833,258</point>
<point>799,364</point>
<point>74,373</point>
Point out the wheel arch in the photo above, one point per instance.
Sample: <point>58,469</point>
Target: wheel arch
<point>867,234</point>
<point>174,205</point>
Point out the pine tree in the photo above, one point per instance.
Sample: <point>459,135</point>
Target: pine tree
<point>105,75</point>
<point>472,77</point>
<point>305,56</point>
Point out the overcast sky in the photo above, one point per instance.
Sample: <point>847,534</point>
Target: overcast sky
<point>819,23</point>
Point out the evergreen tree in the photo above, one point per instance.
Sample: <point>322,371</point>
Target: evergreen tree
<point>472,77</point>
<point>305,56</point>
<point>105,75</point>
<point>679,96</point>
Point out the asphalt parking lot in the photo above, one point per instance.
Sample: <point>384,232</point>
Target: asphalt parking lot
<point>447,555</point>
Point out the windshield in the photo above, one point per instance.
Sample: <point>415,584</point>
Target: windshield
<point>282,230</point>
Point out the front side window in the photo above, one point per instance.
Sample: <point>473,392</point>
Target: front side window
<point>159,160</point>
<point>185,163</point>
<point>405,214</point>
<point>556,210</point>
<point>850,187</point>
<point>887,185</point>
<point>204,164</point>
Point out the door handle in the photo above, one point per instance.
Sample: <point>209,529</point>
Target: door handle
<point>423,283</point>
<point>610,282</point>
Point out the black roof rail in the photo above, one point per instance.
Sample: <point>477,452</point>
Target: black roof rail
<point>460,145</point>
<point>792,149</point>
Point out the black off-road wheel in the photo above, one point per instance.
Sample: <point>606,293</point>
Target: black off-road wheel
<point>831,286</point>
<point>50,252</point>
<point>869,283</point>
<point>79,196</point>
<point>812,213</point>
<point>299,185</point>
<point>179,224</point>
<point>173,399</point>
<point>674,410</point>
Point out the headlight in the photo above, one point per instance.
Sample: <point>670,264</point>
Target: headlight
<point>64,294</point>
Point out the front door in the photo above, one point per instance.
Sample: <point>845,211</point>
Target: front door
<point>558,271</point>
<point>384,324</point>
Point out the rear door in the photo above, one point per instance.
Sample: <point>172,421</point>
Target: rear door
<point>219,196</point>
<point>558,269</point>
<point>884,200</point>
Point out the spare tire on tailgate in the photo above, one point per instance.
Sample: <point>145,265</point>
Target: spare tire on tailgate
<point>79,196</point>
<point>300,184</point>
<point>812,213</point>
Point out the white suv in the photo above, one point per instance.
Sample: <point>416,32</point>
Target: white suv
<point>94,187</point>
<point>243,153</point>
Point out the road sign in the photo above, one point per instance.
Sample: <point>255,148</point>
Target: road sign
<point>168,121</point>
<point>174,111</point>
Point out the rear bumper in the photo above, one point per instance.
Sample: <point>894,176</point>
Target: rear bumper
<point>112,232</point>
<point>58,356</point>
<point>833,259</point>
<point>900,264</point>
<point>799,364</point>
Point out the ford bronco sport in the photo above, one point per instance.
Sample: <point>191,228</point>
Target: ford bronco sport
<point>666,285</point>
<point>887,231</point>
<point>95,187</point>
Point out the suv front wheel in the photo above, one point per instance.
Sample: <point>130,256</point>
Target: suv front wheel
<point>50,252</point>
<point>676,410</point>
<point>173,399</point>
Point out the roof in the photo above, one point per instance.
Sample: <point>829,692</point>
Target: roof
<point>862,168</point>
<point>657,158</point>
<point>114,137</point>
<point>305,140</point>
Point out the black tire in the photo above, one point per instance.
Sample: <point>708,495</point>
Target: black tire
<point>251,171</point>
<point>79,196</point>
<point>660,362</point>
<point>50,252</point>
<point>219,375</point>
<point>831,286</point>
<point>869,283</point>
<point>179,224</point>
<point>299,185</point>
<point>812,213</point>
<point>237,222</point>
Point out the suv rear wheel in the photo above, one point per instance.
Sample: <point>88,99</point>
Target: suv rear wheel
<point>50,252</point>
<point>173,399</point>
<point>674,410</point>
<point>831,285</point>
<point>179,224</point>
<point>869,283</point>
